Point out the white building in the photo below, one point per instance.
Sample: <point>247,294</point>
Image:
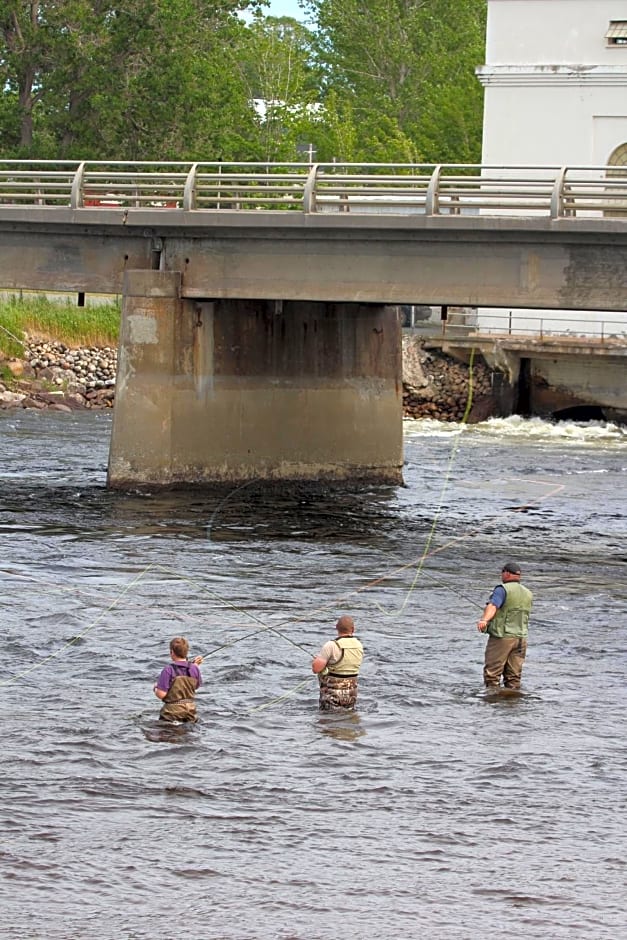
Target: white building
<point>555,84</point>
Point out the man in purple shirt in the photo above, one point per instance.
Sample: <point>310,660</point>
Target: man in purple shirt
<point>177,684</point>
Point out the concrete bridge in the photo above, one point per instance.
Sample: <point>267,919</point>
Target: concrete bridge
<point>258,338</point>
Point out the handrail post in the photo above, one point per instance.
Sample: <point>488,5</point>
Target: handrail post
<point>309,193</point>
<point>189,191</point>
<point>77,196</point>
<point>432,199</point>
<point>557,196</point>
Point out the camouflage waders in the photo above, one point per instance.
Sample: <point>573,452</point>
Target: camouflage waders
<point>337,691</point>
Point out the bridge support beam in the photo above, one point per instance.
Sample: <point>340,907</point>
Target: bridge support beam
<point>236,390</point>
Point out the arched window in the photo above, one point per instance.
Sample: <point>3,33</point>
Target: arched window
<point>618,157</point>
<point>617,167</point>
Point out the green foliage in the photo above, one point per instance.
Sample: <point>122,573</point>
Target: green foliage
<point>141,80</point>
<point>6,376</point>
<point>407,69</point>
<point>373,80</point>
<point>38,316</point>
<point>274,62</point>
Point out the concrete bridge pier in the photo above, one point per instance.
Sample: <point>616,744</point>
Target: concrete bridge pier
<point>235,390</point>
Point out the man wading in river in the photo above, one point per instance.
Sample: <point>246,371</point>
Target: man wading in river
<point>337,665</point>
<point>506,621</point>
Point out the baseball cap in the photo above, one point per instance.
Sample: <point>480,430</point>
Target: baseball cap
<point>511,567</point>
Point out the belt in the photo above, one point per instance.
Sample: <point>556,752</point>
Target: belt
<point>345,675</point>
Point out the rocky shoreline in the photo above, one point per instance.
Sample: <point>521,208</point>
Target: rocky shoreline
<point>55,376</point>
<point>437,386</point>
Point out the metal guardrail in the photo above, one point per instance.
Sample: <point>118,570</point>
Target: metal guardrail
<point>564,327</point>
<point>525,325</point>
<point>398,189</point>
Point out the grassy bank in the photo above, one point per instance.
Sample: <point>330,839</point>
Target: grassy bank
<point>39,317</point>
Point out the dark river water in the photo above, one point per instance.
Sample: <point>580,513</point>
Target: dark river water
<point>432,812</point>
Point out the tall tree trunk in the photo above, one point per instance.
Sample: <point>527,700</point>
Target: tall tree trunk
<point>26,101</point>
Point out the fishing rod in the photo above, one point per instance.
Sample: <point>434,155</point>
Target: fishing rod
<point>264,627</point>
<point>419,562</point>
<point>248,636</point>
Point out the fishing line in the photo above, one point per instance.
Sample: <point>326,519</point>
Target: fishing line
<point>447,587</point>
<point>405,636</point>
<point>336,602</point>
<point>223,501</point>
<point>79,636</point>
<point>13,336</point>
<point>471,600</point>
<point>264,628</point>
<point>116,600</point>
<point>447,478</point>
<point>281,698</point>
<point>420,559</point>
<point>417,562</point>
<point>239,610</point>
<point>91,594</point>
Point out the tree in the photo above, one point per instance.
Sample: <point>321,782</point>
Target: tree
<point>139,80</point>
<point>406,70</point>
<point>21,63</point>
<point>275,63</point>
<point>377,81</point>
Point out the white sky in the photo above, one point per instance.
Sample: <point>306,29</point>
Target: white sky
<point>284,8</point>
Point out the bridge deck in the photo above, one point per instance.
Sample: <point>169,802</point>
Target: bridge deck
<point>541,238</point>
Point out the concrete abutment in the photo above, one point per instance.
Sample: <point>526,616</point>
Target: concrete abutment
<point>215,391</point>
<point>555,376</point>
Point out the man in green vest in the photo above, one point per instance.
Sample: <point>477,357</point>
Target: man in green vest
<point>337,665</point>
<point>506,621</point>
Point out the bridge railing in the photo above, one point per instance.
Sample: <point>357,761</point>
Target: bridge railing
<point>525,324</point>
<point>433,190</point>
<point>396,189</point>
<point>34,183</point>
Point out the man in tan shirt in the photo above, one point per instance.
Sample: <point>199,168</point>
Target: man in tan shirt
<point>337,665</point>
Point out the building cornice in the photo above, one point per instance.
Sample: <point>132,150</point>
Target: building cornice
<point>552,75</point>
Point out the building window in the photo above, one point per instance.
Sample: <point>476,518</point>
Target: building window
<point>618,158</point>
<point>616,34</point>
<point>616,174</point>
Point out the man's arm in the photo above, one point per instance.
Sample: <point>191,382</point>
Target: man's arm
<point>496,600</point>
<point>163,680</point>
<point>488,614</point>
<point>321,660</point>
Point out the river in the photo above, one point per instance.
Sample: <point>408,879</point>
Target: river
<point>432,812</point>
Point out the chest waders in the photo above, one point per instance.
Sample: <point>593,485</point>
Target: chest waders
<point>507,641</point>
<point>179,704</point>
<point>338,683</point>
